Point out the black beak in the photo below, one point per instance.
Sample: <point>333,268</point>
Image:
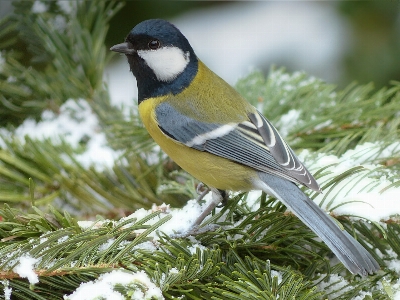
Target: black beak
<point>122,48</point>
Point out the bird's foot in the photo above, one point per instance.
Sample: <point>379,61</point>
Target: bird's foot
<point>201,191</point>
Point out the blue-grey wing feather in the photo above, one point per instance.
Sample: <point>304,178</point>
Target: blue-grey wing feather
<point>281,151</point>
<point>178,126</point>
<point>234,144</point>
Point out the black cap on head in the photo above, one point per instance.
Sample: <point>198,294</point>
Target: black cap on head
<point>160,57</point>
<point>161,30</point>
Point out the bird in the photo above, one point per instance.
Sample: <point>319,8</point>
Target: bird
<point>213,133</point>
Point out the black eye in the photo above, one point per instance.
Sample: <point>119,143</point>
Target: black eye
<point>154,44</point>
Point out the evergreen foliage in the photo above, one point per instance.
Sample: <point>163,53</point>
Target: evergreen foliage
<point>262,253</point>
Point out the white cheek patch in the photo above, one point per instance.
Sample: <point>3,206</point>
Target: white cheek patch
<point>167,62</point>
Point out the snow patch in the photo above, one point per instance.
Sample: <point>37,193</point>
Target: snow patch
<point>25,268</point>
<point>103,288</point>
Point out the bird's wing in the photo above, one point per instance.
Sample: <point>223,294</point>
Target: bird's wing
<point>254,143</point>
<point>281,151</point>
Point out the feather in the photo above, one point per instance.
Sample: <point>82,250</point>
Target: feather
<point>254,143</point>
<point>282,153</point>
<point>350,252</point>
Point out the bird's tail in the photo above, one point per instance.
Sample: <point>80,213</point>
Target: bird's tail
<point>350,252</point>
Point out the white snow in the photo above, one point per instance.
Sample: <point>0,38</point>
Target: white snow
<point>335,283</point>
<point>59,23</point>
<point>394,262</point>
<point>106,245</point>
<point>103,287</point>
<point>39,7</point>
<point>193,249</point>
<point>288,122</point>
<point>181,222</point>
<point>74,123</point>
<point>182,219</point>
<point>252,200</point>
<point>362,296</point>
<point>66,6</point>
<point>365,193</point>
<point>323,125</point>
<point>396,288</point>
<point>7,289</point>
<point>25,268</point>
<point>63,239</point>
<point>93,224</point>
<point>338,285</point>
<point>278,275</point>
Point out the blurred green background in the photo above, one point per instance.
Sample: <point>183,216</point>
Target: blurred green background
<point>373,54</point>
<point>376,52</point>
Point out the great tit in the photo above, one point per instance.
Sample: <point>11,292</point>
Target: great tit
<point>213,133</point>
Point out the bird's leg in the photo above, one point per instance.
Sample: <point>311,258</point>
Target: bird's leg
<point>216,199</point>
<point>200,192</point>
<point>225,198</point>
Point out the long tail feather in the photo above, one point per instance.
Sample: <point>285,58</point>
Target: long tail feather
<point>350,252</point>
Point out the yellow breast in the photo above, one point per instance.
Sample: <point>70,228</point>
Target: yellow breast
<point>212,170</point>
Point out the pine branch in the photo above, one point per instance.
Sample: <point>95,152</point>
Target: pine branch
<point>67,59</point>
<point>327,120</point>
<point>258,251</point>
<point>221,261</point>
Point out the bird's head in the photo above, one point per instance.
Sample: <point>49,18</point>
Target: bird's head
<point>160,57</point>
